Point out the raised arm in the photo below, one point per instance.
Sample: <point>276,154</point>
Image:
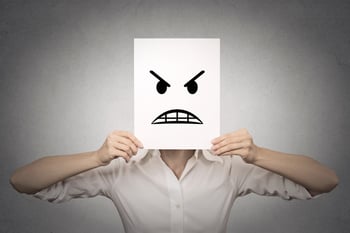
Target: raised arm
<point>48,170</point>
<point>315,177</point>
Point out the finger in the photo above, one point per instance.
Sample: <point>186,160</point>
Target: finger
<point>128,143</point>
<point>134,139</point>
<point>239,152</point>
<point>230,147</point>
<point>123,147</point>
<point>219,139</point>
<point>228,140</point>
<point>235,134</point>
<point>120,139</point>
<point>242,131</point>
<point>120,153</point>
<point>129,135</point>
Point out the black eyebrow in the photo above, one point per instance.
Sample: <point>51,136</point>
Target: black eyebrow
<point>158,77</point>
<point>194,78</point>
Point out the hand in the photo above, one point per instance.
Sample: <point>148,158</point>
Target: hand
<point>239,143</point>
<point>118,144</point>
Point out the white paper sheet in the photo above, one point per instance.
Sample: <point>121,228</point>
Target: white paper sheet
<point>176,92</point>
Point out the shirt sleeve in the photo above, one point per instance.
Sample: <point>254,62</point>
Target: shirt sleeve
<point>93,182</point>
<point>249,178</point>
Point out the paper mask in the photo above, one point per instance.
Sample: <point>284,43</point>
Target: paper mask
<point>176,92</point>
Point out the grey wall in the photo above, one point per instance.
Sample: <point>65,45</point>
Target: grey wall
<point>66,79</point>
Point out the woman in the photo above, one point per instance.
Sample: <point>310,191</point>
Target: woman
<point>174,190</point>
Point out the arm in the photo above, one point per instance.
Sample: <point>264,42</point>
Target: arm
<point>48,170</point>
<point>303,170</point>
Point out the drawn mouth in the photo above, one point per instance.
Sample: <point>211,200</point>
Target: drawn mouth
<point>177,116</point>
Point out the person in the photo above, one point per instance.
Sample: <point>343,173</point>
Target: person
<point>174,190</point>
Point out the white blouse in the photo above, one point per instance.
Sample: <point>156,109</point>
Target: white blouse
<point>150,198</point>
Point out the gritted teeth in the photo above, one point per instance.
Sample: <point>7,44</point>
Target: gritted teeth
<point>177,116</point>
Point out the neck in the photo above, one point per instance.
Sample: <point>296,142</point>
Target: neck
<point>176,159</point>
<point>176,155</point>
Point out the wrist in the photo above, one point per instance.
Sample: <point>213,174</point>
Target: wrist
<point>259,155</point>
<point>96,159</point>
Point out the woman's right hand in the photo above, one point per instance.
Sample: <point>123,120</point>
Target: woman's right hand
<point>118,144</point>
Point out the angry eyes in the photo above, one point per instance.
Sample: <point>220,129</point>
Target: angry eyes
<point>191,85</point>
<point>162,85</point>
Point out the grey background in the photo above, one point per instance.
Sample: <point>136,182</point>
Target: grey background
<point>66,73</point>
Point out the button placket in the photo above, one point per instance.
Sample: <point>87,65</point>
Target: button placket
<point>176,201</point>
<point>176,207</point>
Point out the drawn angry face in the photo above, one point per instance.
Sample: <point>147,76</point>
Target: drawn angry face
<point>177,116</point>
<point>176,92</point>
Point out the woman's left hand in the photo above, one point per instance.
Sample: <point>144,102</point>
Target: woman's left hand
<point>239,143</point>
